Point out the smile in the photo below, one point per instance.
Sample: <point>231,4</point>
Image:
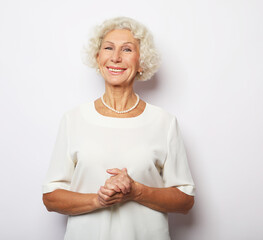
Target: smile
<point>116,70</point>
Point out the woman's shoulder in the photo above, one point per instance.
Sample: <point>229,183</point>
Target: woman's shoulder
<point>160,112</point>
<point>80,109</point>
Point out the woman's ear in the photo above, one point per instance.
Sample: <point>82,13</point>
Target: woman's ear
<point>97,58</point>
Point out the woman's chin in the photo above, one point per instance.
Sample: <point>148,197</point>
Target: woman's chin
<point>117,82</point>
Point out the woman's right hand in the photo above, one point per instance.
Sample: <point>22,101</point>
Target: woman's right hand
<point>118,188</point>
<point>120,181</point>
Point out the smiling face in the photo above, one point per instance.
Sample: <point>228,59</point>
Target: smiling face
<point>118,58</point>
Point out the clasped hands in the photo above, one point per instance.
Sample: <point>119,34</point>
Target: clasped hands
<point>120,187</point>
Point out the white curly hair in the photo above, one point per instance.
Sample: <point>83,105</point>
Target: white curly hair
<point>149,57</point>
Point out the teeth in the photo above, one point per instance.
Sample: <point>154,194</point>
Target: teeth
<point>116,70</point>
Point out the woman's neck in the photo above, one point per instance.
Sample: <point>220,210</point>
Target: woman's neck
<point>119,98</point>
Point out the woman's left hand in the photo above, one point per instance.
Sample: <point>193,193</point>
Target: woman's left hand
<point>118,188</point>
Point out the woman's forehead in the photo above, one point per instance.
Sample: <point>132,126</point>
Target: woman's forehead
<point>120,36</point>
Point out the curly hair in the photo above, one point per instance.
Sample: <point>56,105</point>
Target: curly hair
<point>149,57</point>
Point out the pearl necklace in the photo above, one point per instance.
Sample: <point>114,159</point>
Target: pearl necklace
<point>125,111</point>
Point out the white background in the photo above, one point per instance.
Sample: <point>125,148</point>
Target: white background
<point>210,78</point>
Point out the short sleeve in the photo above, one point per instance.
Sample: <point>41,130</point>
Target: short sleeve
<point>176,170</point>
<point>61,166</point>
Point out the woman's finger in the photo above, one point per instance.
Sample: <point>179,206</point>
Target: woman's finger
<point>122,187</point>
<point>103,196</point>
<point>124,170</point>
<point>127,185</point>
<point>121,182</point>
<point>119,185</point>
<point>117,198</point>
<point>114,171</point>
<point>103,203</point>
<point>105,200</point>
<point>111,186</point>
<point>107,191</point>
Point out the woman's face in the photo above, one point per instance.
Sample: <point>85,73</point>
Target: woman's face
<point>118,58</point>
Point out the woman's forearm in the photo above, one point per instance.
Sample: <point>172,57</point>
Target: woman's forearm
<point>160,199</point>
<point>163,199</point>
<point>71,203</point>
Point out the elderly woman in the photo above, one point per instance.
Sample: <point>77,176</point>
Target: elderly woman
<point>119,165</point>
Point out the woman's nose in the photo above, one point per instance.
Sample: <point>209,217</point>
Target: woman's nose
<point>116,56</point>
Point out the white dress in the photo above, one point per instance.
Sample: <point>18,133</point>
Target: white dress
<point>149,146</point>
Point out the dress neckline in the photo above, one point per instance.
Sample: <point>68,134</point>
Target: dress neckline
<point>114,122</point>
<point>121,119</point>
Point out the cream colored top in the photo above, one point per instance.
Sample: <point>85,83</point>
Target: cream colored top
<point>149,146</point>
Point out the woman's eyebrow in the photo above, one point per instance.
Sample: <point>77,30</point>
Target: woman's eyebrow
<point>122,43</point>
<point>108,42</point>
<point>129,43</point>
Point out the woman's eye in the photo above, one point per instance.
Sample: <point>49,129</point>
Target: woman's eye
<point>127,50</point>
<point>108,48</point>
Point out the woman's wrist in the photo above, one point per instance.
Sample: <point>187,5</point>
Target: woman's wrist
<point>137,189</point>
<point>96,202</point>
